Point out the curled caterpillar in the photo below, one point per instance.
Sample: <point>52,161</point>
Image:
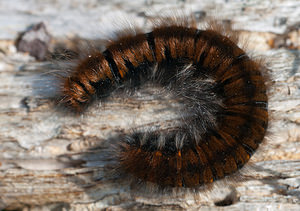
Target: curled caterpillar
<point>222,89</point>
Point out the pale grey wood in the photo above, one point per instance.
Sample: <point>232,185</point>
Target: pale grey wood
<point>41,149</point>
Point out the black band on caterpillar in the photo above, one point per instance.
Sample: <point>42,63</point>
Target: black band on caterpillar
<point>223,91</point>
<point>112,65</point>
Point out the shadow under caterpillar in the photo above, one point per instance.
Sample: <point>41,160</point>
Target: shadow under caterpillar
<point>222,89</point>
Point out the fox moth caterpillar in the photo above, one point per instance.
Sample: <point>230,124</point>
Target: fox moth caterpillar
<point>221,88</point>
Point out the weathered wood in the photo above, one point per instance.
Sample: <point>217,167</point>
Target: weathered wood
<point>41,148</point>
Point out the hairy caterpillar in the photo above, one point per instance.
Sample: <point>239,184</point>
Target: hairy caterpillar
<point>222,89</point>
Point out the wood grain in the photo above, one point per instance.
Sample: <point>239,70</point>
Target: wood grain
<point>41,149</point>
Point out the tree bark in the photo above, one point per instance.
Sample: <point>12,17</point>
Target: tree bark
<point>42,149</point>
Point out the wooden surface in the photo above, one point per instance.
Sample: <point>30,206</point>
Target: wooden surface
<point>41,149</point>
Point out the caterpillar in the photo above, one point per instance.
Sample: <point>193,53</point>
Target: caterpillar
<point>222,89</point>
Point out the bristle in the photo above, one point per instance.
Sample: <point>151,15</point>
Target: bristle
<point>222,88</point>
